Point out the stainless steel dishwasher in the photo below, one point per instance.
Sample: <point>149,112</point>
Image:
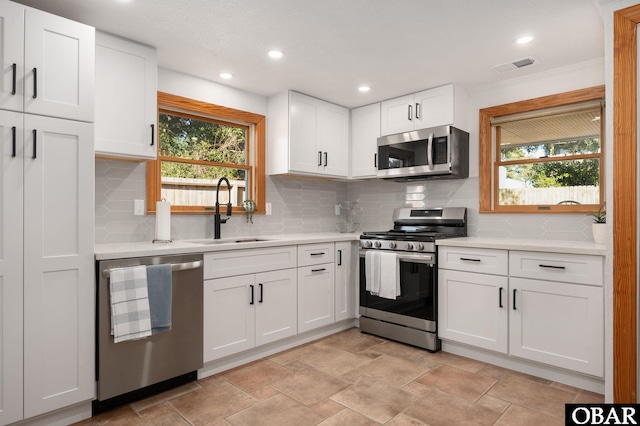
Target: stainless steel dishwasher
<point>134,369</point>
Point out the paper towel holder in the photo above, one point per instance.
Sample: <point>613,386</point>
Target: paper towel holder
<point>170,240</point>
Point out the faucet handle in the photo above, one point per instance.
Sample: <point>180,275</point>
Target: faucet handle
<point>229,209</point>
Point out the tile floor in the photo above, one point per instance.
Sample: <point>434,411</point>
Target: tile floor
<point>351,378</point>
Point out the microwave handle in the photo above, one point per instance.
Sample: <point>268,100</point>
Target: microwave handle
<point>430,151</point>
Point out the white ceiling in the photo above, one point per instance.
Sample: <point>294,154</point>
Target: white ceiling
<point>333,46</point>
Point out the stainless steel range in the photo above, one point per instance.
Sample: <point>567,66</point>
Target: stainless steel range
<point>401,304</point>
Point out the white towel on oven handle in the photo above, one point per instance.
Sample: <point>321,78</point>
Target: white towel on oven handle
<point>389,287</point>
<point>372,271</point>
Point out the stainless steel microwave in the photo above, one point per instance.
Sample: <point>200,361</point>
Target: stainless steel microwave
<point>437,152</point>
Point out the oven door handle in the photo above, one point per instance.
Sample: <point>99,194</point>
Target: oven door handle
<point>412,258</point>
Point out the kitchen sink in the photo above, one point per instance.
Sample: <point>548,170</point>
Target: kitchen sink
<point>208,241</point>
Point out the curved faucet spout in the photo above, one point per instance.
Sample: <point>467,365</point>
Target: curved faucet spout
<point>217,220</point>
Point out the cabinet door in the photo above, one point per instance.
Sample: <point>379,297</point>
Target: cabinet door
<point>11,238</point>
<point>11,55</point>
<point>334,139</point>
<point>305,154</point>
<point>276,305</point>
<point>472,309</point>
<point>315,296</point>
<point>344,286</point>
<point>434,107</point>
<point>558,324</point>
<point>365,131</point>
<point>59,282</point>
<point>229,316</point>
<point>397,115</point>
<point>126,98</point>
<point>59,66</point>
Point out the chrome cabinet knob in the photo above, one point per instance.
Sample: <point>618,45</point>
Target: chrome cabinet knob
<point>377,244</point>
<point>392,245</point>
<point>409,246</point>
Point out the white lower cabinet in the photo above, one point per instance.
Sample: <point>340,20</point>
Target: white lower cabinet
<point>249,310</point>
<point>316,305</point>
<point>344,287</point>
<point>549,309</point>
<point>473,309</point>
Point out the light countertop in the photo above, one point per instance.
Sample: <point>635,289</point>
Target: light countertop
<point>142,249</point>
<point>548,246</point>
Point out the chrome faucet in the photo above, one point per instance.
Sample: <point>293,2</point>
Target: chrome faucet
<point>217,220</point>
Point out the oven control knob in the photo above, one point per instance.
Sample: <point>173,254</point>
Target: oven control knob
<point>377,244</point>
<point>420,247</point>
<point>367,244</point>
<point>392,245</point>
<point>409,246</point>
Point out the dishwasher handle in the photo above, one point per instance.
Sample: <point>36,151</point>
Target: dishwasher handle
<point>106,273</point>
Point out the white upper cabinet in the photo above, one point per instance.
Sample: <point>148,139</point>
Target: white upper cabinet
<point>126,98</point>
<point>440,106</point>
<point>365,131</point>
<point>307,136</point>
<point>54,64</point>
<point>12,55</point>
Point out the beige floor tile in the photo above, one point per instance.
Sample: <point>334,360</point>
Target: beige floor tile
<point>399,350</point>
<point>394,371</point>
<point>219,423</point>
<point>165,396</point>
<point>375,400</point>
<point>123,416</point>
<point>328,408</point>
<point>255,376</point>
<point>211,403</point>
<point>352,376</point>
<point>586,397</point>
<point>157,411</point>
<point>494,404</point>
<point>310,386</point>
<point>457,382</point>
<point>172,420</point>
<point>441,409</point>
<point>350,418</point>
<point>334,361</point>
<point>534,395</point>
<point>418,389</point>
<point>492,371</point>
<point>457,361</point>
<point>277,411</point>
<point>294,354</point>
<point>295,366</point>
<point>521,416</point>
<point>404,420</point>
<point>351,340</point>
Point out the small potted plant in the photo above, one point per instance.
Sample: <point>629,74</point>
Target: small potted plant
<point>599,227</point>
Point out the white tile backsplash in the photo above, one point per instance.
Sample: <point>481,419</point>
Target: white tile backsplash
<point>307,205</point>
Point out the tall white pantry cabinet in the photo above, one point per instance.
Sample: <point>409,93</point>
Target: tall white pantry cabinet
<point>47,212</point>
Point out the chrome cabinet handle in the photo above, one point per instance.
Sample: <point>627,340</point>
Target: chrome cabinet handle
<point>35,83</point>
<point>410,112</point>
<point>552,267</point>
<point>153,134</point>
<point>13,86</point>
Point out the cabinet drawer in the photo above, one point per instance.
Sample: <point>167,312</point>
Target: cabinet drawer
<point>315,254</point>
<point>485,261</point>
<point>241,262</point>
<point>570,268</point>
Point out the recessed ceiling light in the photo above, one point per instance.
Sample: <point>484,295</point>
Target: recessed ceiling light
<point>226,75</point>
<point>275,54</point>
<point>364,88</point>
<point>524,40</point>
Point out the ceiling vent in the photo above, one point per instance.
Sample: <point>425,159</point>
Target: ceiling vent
<point>514,65</point>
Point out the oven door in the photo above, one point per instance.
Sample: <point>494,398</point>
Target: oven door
<point>416,306</point>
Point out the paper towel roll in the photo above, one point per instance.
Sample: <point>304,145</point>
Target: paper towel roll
<point>163,220</point>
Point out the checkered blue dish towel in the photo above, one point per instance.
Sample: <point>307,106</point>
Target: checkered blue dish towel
<point>130,314</point>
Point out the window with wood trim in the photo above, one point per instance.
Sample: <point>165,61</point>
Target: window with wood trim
<point>199,143</point>
<point>544,154</point>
